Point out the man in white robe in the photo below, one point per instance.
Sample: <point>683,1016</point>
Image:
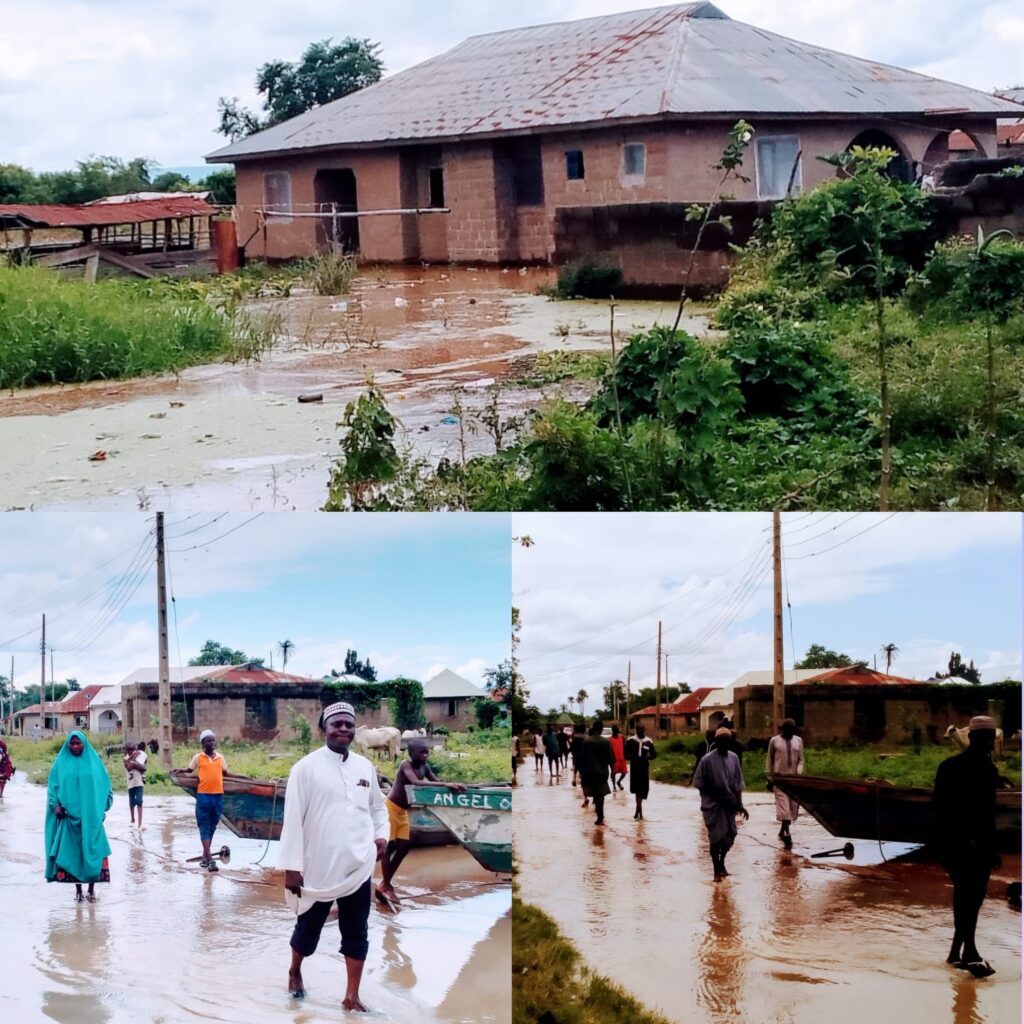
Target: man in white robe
<point>335,828</point>
<point>785,757</point>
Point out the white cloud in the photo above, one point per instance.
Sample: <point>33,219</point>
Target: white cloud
<point>153,72</point>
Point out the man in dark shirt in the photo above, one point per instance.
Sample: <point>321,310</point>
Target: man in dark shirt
<point>597,761</point>
<point>965,836</point>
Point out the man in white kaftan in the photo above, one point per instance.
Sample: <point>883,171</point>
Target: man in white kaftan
<point>335,829</point>
<point>785,757</point>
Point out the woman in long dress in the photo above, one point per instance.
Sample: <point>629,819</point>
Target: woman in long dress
<point>640,753</point>
<point>78,796</point>
<point>785,757</point>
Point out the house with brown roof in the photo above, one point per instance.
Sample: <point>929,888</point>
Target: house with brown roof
<point>56,717</point>
<point>448,700</point>
<point>556,141</point>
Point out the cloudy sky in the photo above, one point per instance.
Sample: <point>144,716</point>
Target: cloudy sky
<point>592,588</point>
<point>415,593</point>
<point>123,78</point>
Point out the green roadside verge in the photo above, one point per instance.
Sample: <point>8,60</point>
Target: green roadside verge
<point>551,982</point>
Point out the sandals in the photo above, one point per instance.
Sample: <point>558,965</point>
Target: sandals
<point>979,968</point>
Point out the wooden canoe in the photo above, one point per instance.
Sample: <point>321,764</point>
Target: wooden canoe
<point>858,809</point>
<point>254,809</point>
<point>480,818</point>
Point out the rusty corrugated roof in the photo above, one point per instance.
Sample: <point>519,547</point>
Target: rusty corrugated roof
<point>77,702</point>
<point>251,674</point>
<point>688,60</point>
<point>102,215</point>
<point>859,675</point>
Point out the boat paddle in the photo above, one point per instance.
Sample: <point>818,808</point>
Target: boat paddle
<point>846,850</point>
<point>224,854</point>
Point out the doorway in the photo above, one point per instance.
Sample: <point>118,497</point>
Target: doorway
<point>335,190</point>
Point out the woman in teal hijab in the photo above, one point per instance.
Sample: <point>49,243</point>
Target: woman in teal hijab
<point>78,797</point>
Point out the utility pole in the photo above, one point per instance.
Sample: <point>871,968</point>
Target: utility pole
<point>657,690</point>
<point>778,695</point>
<point>629,685</point>
<point>53,699</point>
<point>166,743</point>
<point>42,670</point>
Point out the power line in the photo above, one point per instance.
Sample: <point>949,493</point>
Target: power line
<point>643,615</point>
<point>831,529</point>
<point>205,544</point>
<point>867,529</point>
<point>196,529</point>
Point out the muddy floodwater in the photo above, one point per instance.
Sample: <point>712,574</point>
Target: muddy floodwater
<point>784,940</point>
<point>168,943</point>
<point>235,436</point>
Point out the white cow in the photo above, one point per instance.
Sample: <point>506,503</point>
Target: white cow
<point>385,737</point>
<point>412,734</point>
<point>959,737</point>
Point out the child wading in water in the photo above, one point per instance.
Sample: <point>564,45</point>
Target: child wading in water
<point>411,772</point>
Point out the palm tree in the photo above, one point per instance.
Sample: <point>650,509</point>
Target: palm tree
<point>570,701</point>
<point>890,651</point>
<point>286,647</point>
<point>581,698</point>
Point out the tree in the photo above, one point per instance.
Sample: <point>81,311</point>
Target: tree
<point>30,695</point>
<point>325,72</point>
<point>959,669</point>
<point>819,656</point>
<point>614,696</point>
<point>581,698</point>
<point>286,647</point>
<point>648,695</point>
<point>486,712</point>
<point>16,184</point>
<point>890,651</point>
<point>355,667</point>
<point>214,653</point>
<point>73,685</point>
<point>221,185</point>
<point>171,181</point>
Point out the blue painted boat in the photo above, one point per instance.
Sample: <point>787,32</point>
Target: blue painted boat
<point>254,809</point>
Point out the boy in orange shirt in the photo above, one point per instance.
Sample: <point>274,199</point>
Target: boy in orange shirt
<point>211,768</point>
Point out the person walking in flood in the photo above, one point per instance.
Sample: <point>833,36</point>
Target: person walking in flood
<point>78,796</point>
<point>598,760</point>
<point>7,768</point>
<point>538,752</point>
<point>553,753</point>
<point>640,753</point>
<point>621,766</point>
<point>964,803</point>
<point>785,757</point>
<point>720,781</point>
<point>135,765</point>
<point>579,734</point>
<point>411,772</point>
<point>210,766</point>
<point>335,828</point>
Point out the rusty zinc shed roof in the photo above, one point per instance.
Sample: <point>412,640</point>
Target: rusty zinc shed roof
<point>48,215</point>
<point>685,60</point>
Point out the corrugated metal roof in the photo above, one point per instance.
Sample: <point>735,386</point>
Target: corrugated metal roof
<point>687,59</point>
<point>251,674</point>
<point>102,215</point>
<point>689,703</point>
<point>78,702</point>
<point>859,675</point>
<point>449,684</point>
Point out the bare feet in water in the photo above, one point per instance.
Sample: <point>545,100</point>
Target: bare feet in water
<point>353,1004</point>
<point>295,987</point>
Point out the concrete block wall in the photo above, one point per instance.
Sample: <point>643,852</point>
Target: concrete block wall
<point>472,194</point>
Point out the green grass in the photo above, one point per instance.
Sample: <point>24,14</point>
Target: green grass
<point>484,759</point>
<point>896,764</point>
<point>58,331</point>
<point>550,977</point>
<point>557,367</point>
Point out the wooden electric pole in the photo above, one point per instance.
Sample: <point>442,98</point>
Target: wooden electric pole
<point>629,686</point>
<point>166,742</point>
<point>779,678</point>
<point>657,690</point>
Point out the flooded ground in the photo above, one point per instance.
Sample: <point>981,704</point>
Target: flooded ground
<point>786,939</point>
<point>169,943</point>
<point>230,437</point>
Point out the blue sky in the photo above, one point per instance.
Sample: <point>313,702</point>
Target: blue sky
<point>153,72</point>
<point>417,593</point>
<point>592,589</point>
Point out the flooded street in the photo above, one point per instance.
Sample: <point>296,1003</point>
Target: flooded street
<point>235,436</point>
<point>169,943</point>
<point>785,939</point>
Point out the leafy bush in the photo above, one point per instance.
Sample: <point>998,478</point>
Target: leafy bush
<point>958,285</point>
<point>330,273</point>
<point>587,280</point>
<point>819,237</point>
<point>791,372</point>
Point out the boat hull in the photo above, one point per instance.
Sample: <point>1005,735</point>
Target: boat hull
<point>254,809</point>
<point>480,818</point>
<point>873,810</point>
